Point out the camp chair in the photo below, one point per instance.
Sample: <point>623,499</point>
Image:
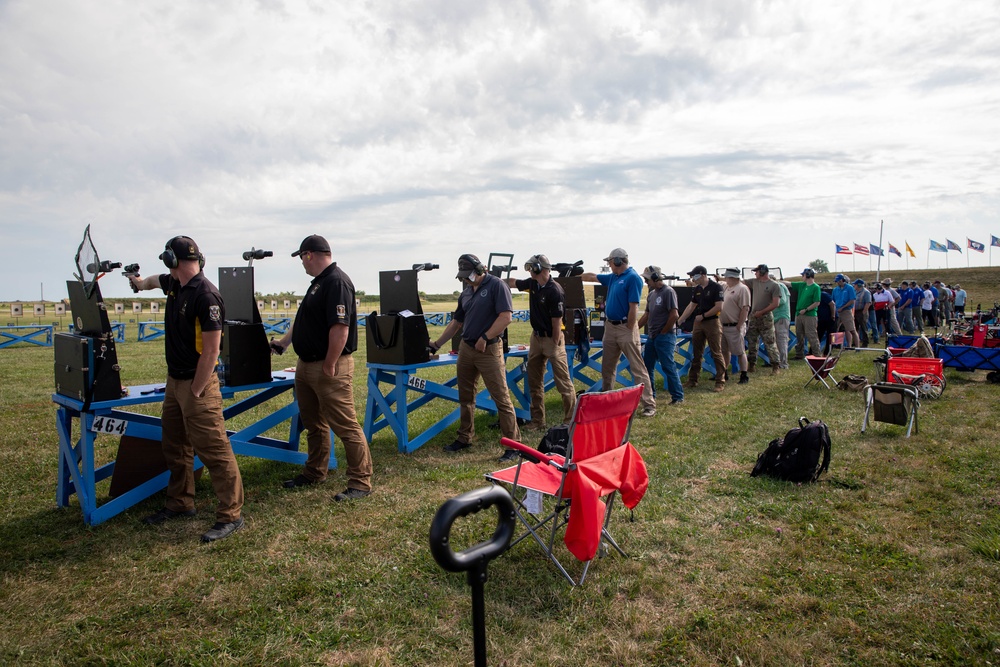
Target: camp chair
<point>892,403</point>
<point>822,366</point>
<point>599,463</point>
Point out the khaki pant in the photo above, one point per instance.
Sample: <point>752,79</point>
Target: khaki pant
<point>193,425</point>
<point>734,344</point>
<point>325,404</point>
<point>619,340</point>
<point>761,327</point>
<point>707,331</point>
<point>491,366</point>
<point>542,349</point>
<point>805,330</point>
<point>846,320</point>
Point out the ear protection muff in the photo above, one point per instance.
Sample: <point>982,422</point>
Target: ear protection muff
<point>168,256</point>
<point>533,267</point>
<point>653,275</point>
<point>473,261</point>
<point>618,261</point>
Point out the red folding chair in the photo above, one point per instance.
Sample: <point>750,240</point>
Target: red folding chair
<point>823,366</point>
<point>600,462</point>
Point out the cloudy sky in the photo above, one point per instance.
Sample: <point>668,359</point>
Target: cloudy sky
<point>723,133</point>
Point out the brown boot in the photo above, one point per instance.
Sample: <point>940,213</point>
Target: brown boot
<point>719,386</point>
<point>775,370</point>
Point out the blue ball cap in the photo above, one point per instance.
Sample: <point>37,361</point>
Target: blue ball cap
<point>841,278</point>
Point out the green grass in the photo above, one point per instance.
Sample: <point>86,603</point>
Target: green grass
<point>893,558</point>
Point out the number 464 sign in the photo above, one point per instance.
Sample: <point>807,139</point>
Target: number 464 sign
<point>109,425</point>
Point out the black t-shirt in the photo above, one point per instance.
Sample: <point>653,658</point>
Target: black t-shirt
<point>705,297</point>
<point>544,302</point>
<point>328,301</point>
<point>191,310</point>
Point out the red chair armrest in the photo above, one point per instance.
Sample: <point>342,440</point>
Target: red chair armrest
<point>529,453</point>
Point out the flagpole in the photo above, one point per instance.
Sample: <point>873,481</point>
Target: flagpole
<point>878,262</point>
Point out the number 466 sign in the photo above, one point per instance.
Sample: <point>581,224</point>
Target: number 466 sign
<point>109,425</point>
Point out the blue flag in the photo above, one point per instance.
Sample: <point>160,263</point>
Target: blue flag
<point>994,241</point>
<point>875,250</point>
<point>976,245</point>
<point>938,247</point>
<point>953,246</point>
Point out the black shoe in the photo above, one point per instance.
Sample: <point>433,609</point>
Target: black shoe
<point>222,530</point>
<point>457,446</point>
<point>676,401</point>
<point>166,514</point>
<point>508,455</point>
<point>351,494</point>
<point>298,480</point>
<point>744,379</point>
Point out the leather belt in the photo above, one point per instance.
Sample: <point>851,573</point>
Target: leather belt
<point>542,334</point>
<point>617,322</point>
<point>730,324</point>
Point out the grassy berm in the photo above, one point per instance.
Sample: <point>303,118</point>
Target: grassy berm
<point>892,558</point>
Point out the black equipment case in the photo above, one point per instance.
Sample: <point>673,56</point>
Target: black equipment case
<point>399,335</point>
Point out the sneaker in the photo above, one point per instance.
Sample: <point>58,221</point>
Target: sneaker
<point>691,385</point>
<point>775,370</point>
<point>676,401</point>
<point>165,514</point>
<point>299,480</point>
<point>508,455</point>
<point>351,494</point>
<point>457,446</point>
<point>222,530</point>
<point>534,426</point>
<point>718,388</point>
<point>648,412</point>
<point>744,378</point>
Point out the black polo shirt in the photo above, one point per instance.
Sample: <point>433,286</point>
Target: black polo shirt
<point>544,302</point>
<point>191,310</point>
<point>328,301</point>
<point>705,298</point>
<point>479,307</point>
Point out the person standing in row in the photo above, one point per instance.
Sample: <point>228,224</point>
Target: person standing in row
<point>807,300</point>
<point>484,310</point>
<point>704,309</point>
<point>621,332</point>
<point>844,298</point>
<point>734,316</point>
<point>660,319</point>
<point>192,421</point>
<point>546,307</point>
<point>765,296</point>
<point>325,336</point>
<point>782,323</point>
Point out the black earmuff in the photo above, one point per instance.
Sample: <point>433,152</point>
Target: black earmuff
<point>653,275</point>
<point>618,261</point>
<point>474,262</point>
<point>533,267</point>
<point>168,256</point>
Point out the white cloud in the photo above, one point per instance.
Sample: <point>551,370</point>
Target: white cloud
<point>715,132</point>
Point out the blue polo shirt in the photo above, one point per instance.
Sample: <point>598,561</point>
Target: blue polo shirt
<point>622,290</point>
<point>843,296</point>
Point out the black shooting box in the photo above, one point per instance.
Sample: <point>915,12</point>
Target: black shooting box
<point>86,362</point>
<point>399,335</point>
<point>245,357</point>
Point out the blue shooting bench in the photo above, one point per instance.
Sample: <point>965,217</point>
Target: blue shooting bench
<point>78,426</point>
<point>33,334</point>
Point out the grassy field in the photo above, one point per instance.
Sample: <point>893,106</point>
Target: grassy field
<point>893,558</point>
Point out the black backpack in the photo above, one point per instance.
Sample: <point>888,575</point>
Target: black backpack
<point>801,456</point>
<point>555,441</point>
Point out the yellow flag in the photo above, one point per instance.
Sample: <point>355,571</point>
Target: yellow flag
<point>909,250</point>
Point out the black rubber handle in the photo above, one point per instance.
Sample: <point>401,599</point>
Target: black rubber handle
<point>477,555</point>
